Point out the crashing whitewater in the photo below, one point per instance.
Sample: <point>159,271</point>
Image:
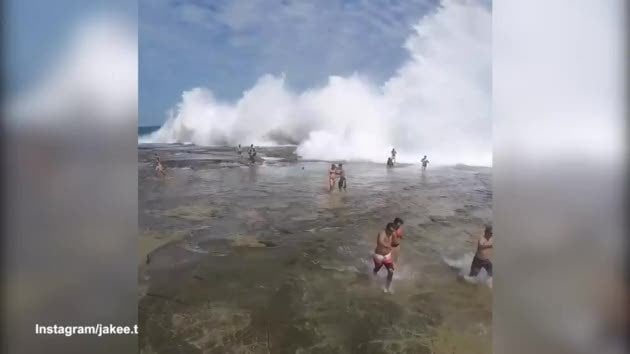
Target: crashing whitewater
<point>437,103</point>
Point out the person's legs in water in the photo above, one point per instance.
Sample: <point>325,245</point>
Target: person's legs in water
<point>160,170</point>
<point>487,265</point>
<point>390,276</point>
<point>475,267</point>
<point>377,267</point>
<point>342,183</point>
<point>379,262</point>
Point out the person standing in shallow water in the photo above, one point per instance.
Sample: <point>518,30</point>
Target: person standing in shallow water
<point>393,155</point>
<point>252,154</point>
<point>483,254</point>
<point>159,168</point>
<point>342,177</point>
<point>383,254</point>
<point>239,150</point>
<point>332,176</point>
<point>425,162</point>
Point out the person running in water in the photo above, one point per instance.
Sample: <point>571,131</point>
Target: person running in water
<point>252,153</point>
<point>398,235</point>
<point>159,168</point>
<point>383,254</point>
<point>332,176</point>
<point>425,162</point>
<point>483,254</point>
<point>342,177</point>
<point>393,155</point>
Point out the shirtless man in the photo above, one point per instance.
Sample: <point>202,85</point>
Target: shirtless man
<point>342,177</point>
<point>332,176</point>
<point>383,254</point>
<point>398,235</point>
<point>425,162</point>
<point>239,150</point>
<point>393,155</point>
<point>159,169</point>
<point>483,254</point>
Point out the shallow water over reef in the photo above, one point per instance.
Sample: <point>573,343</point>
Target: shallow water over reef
<point>263,259</point>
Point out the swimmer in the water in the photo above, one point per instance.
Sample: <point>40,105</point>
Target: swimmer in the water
<point>159,168</point>
<point>483,254</point>
<point>342,177</point>
<point>383,254</point>
<point>332,176</point>
<point>425,162</point>
<point>398,235</point>
<point>390,162</point>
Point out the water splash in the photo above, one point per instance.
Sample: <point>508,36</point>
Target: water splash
<point>437,104</point>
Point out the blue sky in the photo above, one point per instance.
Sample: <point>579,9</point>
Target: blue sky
<point>226,45</point>
<point>36,32</point>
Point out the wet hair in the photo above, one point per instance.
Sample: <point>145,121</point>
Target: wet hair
<point>398,221</point>
<point>340,165</point>
<point>488,228</point>
<point>332,165</point>
<point>390,226</point>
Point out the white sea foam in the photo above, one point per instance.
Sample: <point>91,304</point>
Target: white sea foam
<point>437,103</point>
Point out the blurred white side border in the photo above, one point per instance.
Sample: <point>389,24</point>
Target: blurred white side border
<point>559,107</point>
<point>70,192</point>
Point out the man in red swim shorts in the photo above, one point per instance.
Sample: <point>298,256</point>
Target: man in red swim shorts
<point>383,253</point>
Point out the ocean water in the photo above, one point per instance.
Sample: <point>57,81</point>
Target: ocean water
<point>264,259</point>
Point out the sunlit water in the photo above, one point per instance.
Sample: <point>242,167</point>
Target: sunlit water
<point>264,259</point>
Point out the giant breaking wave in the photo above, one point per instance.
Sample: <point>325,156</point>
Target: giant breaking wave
<point>437,103</point>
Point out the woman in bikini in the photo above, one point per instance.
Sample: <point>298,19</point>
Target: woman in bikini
<point>332,176</point>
